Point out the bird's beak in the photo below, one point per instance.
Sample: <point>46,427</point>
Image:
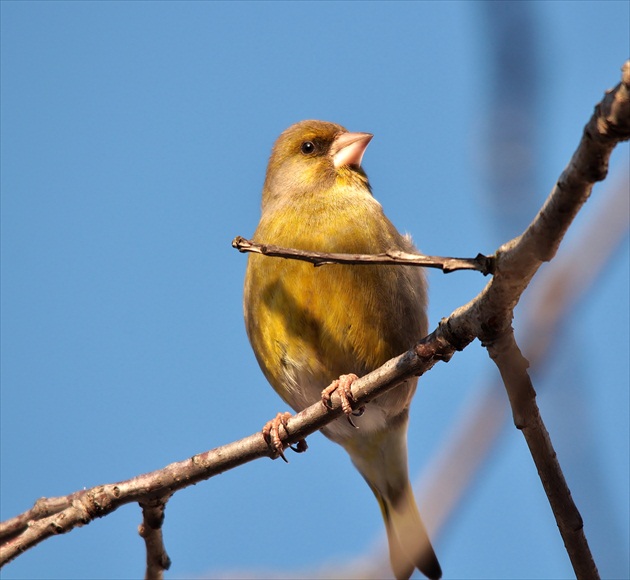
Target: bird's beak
<point>348,148</point>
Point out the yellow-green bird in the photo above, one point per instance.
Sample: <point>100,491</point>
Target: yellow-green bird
<point>308,326</point>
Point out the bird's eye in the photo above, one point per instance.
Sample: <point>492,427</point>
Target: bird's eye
<point>307,147</point>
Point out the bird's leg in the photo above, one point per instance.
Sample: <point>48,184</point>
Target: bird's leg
<point>342,386</point>
<point>273,437</point>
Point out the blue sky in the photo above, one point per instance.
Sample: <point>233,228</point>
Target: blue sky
<point>135,138</point>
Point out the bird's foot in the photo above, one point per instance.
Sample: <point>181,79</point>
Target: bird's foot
<point>275,431</point>
<point>342,386</point>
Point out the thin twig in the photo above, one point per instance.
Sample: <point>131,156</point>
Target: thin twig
<point>151,531</point>
<point>481,263</point>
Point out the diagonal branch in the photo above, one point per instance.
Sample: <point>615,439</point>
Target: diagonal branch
<point>513,368</point>
<point>61,515</point>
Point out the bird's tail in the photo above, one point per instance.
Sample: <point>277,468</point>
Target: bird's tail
<point>381,458</point>
<point>409,544</point>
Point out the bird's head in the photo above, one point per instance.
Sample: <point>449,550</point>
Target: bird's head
<point>312,158</point>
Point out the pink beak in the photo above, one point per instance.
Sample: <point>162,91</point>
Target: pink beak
<point>348,148</point>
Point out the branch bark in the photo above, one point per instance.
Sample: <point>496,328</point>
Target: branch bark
<point>513,368</point>
<point>151,531</point>
<point>481,263</point>
<point>487,317</point>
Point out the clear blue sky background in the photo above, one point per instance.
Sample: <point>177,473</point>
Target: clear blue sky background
<point>135,138</point>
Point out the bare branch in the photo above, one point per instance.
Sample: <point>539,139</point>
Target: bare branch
<point>43,507</point>
<point>151,531</point>
<point>481,263</point>
<point>85,506</point>
<point>513,368</point>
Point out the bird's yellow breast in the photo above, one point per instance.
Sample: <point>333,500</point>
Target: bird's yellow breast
<point>314,324</point>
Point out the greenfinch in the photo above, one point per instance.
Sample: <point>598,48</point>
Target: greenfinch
<point>309,326</point>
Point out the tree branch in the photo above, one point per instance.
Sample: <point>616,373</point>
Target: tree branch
<point>60,515</point>
<point>151,531</point>
<point>513,368</point>
<point>481,263</point>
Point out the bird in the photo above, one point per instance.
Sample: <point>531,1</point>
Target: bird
<point>315,330</point>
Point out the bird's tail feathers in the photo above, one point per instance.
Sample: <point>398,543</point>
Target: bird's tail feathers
<point>382,460</point>
<point>409,544</point>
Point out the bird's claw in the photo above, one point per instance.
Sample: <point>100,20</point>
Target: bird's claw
<point>273,436</point>
<point>300,447</point>
<point>342,386</point>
